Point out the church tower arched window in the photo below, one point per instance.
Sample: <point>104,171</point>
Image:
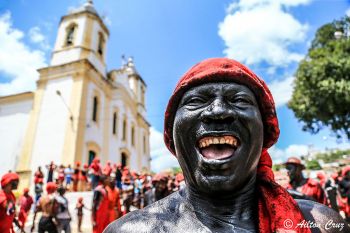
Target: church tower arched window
<point>100,45</point>
<point>70,34</point>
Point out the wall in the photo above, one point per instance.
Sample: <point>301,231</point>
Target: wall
<point>51,129</point>
<point>14,117</point>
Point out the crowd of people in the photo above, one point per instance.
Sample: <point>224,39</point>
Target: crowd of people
<point>331,189</point>
<point>116,192</point>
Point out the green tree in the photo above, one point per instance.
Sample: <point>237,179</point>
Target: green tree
<point>321,96</point>
<point>313,165</point>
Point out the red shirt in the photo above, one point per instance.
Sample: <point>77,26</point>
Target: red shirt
<point>102,218</point>
<point>7,211</point>
<point>114,208</point>
<point>25,203</point>
<point>96,168</point>
<point>313,189</point>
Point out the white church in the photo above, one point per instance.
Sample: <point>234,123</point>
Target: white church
<point>79,110</point>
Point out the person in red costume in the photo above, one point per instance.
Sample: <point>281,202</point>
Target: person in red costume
<point>344,190</point>
<point>96,169</point>
<point>219,123</point>
<point>25,203</point>
<point>114,207</point>
<point>307,186</point>
<point>107,170</point>
<point>38,176</point>
<point>100,206</point>
<point>9,182</point>
<point>76,176</point>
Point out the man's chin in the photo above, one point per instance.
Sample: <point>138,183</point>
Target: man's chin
<point>217,183</point>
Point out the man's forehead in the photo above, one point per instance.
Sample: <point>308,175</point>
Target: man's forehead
<point>230,87</point>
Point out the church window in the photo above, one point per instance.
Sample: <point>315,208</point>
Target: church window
<point>124,129</point>
<point>115,119</point>
<point>95,109</point>
<point>133,136</point>
<point>92,155</point>
<point>143,95</point>
<point>124,159</point>
<point>70,35</point>
<point>144,144</point>
<point>100,44</point>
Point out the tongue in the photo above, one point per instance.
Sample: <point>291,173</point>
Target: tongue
<point>217,151</point>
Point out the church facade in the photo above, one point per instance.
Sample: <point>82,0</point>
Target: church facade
<point>79,110</point>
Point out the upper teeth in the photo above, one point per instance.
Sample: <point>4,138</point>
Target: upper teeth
<point>207,141</point>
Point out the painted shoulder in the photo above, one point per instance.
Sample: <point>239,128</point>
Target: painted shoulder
<point>321,218</point>
<point>167,215</point>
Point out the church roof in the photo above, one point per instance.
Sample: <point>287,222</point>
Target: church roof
<point>88,6</point>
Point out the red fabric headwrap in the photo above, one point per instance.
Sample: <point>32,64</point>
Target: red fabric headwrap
<point>275,204</point>
<point>8,177</point>
<point>51,187</point>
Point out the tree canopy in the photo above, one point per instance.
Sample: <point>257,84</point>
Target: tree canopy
<point>321,96</point>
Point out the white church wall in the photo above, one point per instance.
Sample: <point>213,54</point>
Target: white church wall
<point>14,117</point>
<point>114,139</point>
<point>51,129</point>
<point>66,56</point>
<point>94,130</point>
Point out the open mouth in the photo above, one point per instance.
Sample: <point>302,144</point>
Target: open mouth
<point>218,147</point>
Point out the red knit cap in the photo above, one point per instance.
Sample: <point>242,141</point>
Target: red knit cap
<point>274,202</point>
<point>223,70</point>
<point>51,187</point>
<point>8,177</point>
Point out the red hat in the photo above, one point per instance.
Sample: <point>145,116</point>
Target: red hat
<point>8,178</point>
<point>51,187</point>
<point>334,175</point>
<point>179,177</point>
<point>295,160</point>
<point>320,175</point>
<point>86,166</point>
<point>223,70</point>
<point>25,190</point>
<point>345,170</point>
<point>160,177</point>
<point>77,164</point>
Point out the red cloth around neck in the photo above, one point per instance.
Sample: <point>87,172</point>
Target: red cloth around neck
<point>275,205</point>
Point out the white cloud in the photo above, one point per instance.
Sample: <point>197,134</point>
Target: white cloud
<point>107,20</point>
<point>256,31</point>
<point>281,156</point>
<point>282,90</point>
<point>161,157</point>
<point>17,60</point>
<point>347,12</point>
<point>36,36</point>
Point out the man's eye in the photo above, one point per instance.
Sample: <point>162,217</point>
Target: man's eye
<point>240,100</point>
<point>195,100</point>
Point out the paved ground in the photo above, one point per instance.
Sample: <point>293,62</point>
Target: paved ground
<point>72,198</point>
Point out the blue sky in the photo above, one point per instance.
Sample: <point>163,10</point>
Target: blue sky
<point>167,37</point>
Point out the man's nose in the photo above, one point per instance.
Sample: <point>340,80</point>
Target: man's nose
<point>219,112</point>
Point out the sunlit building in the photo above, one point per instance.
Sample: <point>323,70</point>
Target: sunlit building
<point>80,109</point>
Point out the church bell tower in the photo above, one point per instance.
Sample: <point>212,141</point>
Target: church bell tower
<point>81,35</point>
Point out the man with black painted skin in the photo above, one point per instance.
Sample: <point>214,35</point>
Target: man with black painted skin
<point>299,183</point>
<point>219,123</point>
